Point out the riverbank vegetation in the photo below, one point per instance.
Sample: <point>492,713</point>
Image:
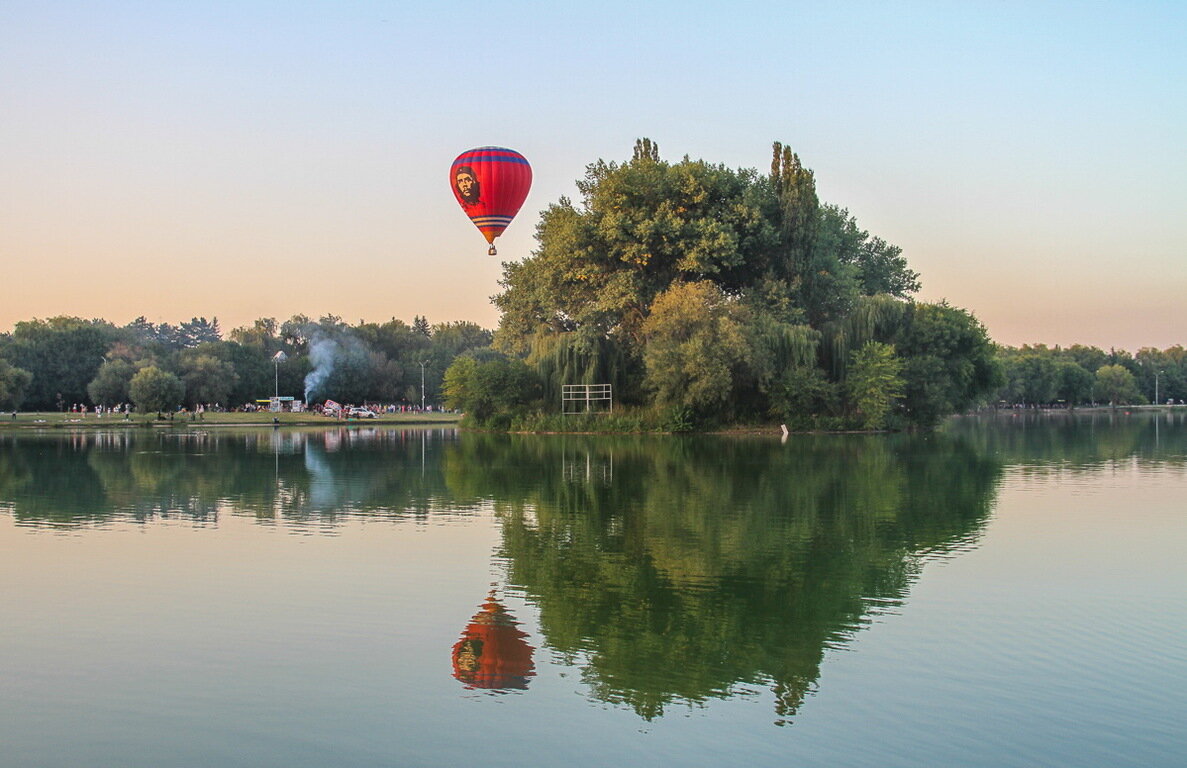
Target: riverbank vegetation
<point>705,297</point>
<point>1041,376</point>
<point>708,296</point>
<point>62,363</point>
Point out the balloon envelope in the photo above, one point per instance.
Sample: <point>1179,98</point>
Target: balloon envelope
<point>490,184</point>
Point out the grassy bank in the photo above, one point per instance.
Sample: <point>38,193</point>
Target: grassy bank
<point>180,421</point>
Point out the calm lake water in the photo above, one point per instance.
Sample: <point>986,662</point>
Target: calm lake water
<point>1009,592</point>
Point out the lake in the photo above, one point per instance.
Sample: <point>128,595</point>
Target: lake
<point>1009,591</point>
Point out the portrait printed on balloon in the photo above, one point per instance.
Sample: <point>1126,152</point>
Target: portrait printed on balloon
<point>468,188</point>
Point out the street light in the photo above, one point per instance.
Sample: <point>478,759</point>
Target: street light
<point>1156,375</point>
<point>422,385</point>
<point>277,359</point>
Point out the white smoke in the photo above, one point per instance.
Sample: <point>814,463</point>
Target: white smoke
<point>323,353</point>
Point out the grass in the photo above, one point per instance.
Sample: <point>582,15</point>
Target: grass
<point>53,420</point>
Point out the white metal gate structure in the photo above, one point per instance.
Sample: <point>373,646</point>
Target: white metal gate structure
<point>586,398</point>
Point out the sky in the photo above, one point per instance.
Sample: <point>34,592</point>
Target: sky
<point>262,159</point>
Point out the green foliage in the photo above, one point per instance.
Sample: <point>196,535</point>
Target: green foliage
<point>874,383</point>
<point>873,318</point>
<point>721,290</point>
<point>1088,358</point>
<point>482,389</point>
<point>620,421</point>
<point>803,398</point>
<point>692,347</point>
<point>63,355</point>
<point>1039,375</point>
<point>642,227</point>
<point>207,379</point>
<point>1116,385</point>
<point>584,357</point>
<point>880,267</point>
<point>950,364</point>
<point>255,372</point>
<point>110,385</point>
<point>262,334</point>
<point>14,383</point>
<point>1032,379</point>
<point>820,279</point>
<point>774,347</point>
<point>1074,385</point>
<point>152,389</point>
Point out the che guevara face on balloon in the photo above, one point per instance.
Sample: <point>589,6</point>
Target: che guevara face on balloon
<point>467,186</point>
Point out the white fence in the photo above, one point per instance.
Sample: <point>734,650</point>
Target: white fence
<point>586,398</point>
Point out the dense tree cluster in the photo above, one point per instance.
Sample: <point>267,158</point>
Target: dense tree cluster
<point>710,295</point>
<point>1041,376</point>
<point>56,363</point>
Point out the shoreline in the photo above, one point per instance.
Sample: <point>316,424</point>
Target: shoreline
<point>43,420</point>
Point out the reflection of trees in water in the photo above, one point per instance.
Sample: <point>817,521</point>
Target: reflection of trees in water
<point>301,478</point>
<point>706,565</point>
<point>670,570</point>
<point>1078,440</point>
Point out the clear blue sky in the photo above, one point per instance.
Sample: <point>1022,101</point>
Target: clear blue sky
<point>248,159</point>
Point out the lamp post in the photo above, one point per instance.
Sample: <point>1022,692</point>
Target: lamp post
<point>277,359</point>
<point>1156,375</point>
<point>422,385</point>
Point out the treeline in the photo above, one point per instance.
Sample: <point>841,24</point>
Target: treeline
<point>1041,376</point>
<point>706,295</point>
<point>56,363</point>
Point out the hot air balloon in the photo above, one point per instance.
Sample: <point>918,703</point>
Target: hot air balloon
<point>493,651</point>
<point>490,183</point>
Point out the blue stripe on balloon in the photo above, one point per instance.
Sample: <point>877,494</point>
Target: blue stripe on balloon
<point>488,158</point>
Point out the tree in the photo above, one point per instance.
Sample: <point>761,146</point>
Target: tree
<point>1116,385</point>
<point>483,388</point>
<point>1073,384</point>
<point>459,382</point>
<point>821,281</point>
<point>110,385</point>
<point>804,398</point>
<point>1088,358</point>
<point>881,267</point>
<point>949,362</point>
<point>640,228</point>
<point>62,353</point>
<point>874,384</point>
<point>455,338</point>
<point>207,379</point>
<point>262,333</point>
<point>198,331</point>
<point>152,389</point>
<point>1033,378</point>
<point>798,285</point>
<point>14,383</point>
<point>692,346</point>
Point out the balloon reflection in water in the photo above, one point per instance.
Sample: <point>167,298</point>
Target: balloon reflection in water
<point>493,652</point>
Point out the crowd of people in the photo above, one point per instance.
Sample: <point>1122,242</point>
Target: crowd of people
<point>81,410</point>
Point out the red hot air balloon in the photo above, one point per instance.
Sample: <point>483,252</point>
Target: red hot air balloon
<point>490,183</point>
